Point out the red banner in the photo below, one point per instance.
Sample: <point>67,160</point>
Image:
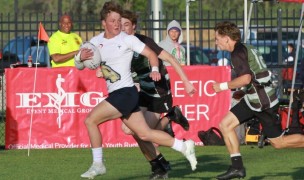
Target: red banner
<point>295,1</point>
<point>46,108</point>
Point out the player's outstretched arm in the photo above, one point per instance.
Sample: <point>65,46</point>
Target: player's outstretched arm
<point>165,56</point>
<point>153,60</point>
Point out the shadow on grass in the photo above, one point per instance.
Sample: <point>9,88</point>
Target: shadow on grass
<point>298,174</point>
<point>206,163</point>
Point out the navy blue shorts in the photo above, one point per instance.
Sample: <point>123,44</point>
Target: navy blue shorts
<point>125,100</point>
<point>154,104</point>
<point>269,118</point>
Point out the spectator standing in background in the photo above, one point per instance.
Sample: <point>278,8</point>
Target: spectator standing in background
<point>63,44</point>
<point>172,43</point>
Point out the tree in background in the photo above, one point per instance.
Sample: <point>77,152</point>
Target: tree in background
<point>90,7</point>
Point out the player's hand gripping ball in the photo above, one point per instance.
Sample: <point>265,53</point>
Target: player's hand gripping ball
<point>94,61</point>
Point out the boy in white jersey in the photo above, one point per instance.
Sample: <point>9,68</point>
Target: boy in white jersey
<point>116,50</point>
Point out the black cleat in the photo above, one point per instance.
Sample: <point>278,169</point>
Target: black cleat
<point>160,168</point>
<point>176,115</point>
<point>261,141</point>
<point>159,174</point>
<point>232,173</point>
<point>168,129</point>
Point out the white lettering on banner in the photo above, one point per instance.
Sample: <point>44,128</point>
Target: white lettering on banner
<point>36,111</point>
<point>58,145</point>
<point>53,111</point>
<point>33,146</point>
<point>66,100</point>
<point>115,145</point>
<point>84,110</point>
<point>195,109</point>
<point>111,145</point>
<point>83,145</point>
<point>46,146</point>
<point>62,101</point>
<point>90,99</point>
<point>210,83</point>
<point>179,90</point>
<point>86,99</point>
<point>127,144</point>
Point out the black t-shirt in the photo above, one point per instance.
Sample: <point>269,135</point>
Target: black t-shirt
<point>141,67</point>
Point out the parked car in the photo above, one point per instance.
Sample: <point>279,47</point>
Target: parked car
<point>197,55</point>
<point>211,54</point>
<point>43,59</point>
<point>14,52</point>
<point>269,50</point>
<point>16,47</point>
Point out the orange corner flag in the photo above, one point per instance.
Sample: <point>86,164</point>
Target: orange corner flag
<point>42,35</point>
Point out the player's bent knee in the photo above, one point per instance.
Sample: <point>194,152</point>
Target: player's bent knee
<point>89,121</point>
<point>143,137</point>
<point>126,130</point>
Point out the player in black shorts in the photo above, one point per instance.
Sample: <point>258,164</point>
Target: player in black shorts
<point>122,101</point>
<point>155,98</point>
<point>259,99</point>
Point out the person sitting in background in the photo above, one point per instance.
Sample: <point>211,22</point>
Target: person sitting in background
<point>291,54</point>
<point>287,72</point>
<point>63,44</point>
<point>172,43</point>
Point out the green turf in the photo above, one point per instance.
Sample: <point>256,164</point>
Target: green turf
<point>128,163</point>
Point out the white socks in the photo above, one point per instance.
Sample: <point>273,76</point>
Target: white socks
<point>236,154</point>
<point>97,154</point>
<point>179,145</point>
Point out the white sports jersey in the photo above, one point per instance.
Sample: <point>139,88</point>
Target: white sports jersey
<point>116,54</point>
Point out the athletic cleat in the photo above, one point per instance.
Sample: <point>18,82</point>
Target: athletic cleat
<point>168,129</point>
<point>190,153</point>
<point>95,170</point>
<point>232,173</point>
<point>176,115</point>
<point>159,174</point>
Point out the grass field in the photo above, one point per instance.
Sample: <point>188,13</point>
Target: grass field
<point>128,163</point>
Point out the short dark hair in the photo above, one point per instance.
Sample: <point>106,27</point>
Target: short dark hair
<point>291,45</point>
<point>130,15</point>
<point>229,29</point>
<point>108,7</point>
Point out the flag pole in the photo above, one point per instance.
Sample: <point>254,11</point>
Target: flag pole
<point>295,68</point>
<point>41,35</point>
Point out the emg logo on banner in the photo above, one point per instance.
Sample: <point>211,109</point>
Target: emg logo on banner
<point>59,99</point>
<point>61,102</point>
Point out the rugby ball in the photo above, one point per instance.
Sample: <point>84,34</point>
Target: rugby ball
<point>95,61</point>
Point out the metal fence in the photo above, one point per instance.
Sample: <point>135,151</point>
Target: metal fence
<point>279,24</point>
